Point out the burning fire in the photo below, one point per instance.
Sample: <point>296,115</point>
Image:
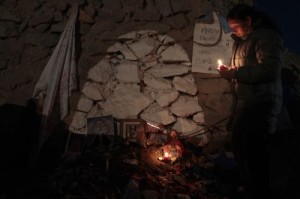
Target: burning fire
<point>170,152</point>
<point>165,156</point>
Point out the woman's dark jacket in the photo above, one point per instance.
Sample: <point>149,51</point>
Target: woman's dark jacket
<point>258,76</point>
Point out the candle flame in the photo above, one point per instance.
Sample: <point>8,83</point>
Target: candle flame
<point>166,154</point>
<point>220,62</point>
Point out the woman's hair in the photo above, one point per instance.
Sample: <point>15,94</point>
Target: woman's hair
<point>242,11</point>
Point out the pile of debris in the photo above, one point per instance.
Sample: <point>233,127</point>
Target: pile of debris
<point>109,167</point>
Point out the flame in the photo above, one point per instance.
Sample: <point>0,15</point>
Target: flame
<point>220,62</point>
<point>166,154</point>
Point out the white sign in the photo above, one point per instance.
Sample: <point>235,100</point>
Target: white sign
<point>211,44</point>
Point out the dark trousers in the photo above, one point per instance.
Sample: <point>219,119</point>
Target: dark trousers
<point>250,140</point>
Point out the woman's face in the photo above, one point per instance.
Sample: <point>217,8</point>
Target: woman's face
<point>240,28</point>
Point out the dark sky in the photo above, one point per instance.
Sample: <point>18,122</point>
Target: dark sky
<point>286,14</point>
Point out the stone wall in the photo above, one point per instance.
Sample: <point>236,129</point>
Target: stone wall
<point>133,59</point>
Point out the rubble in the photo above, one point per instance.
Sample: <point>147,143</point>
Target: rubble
<point>114,167</point>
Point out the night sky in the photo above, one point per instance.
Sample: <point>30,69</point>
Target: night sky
<point>287,16</point>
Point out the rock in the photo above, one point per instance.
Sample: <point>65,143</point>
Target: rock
<point>125,102</point>
<point>161,117</point>
<point>128,73</point>
<point>185,85</point>
<point>175,53</point>
<point>185,106</point>
<point>93,91</point>
<point>101,72</point>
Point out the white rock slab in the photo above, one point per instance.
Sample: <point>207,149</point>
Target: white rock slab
<point>169,70</point>
<point>108,88</point>
<point>185,106</point>
<point>125,102</point>
<point>92,90</point>
<point>128,73</point>
<point>166,99</point>
<point>162,117</point>
<point>187,63</point>
<point>84,104</point>
<point>185,85</point>
<point>79,120</point>
<point>152,108</point>
<point>152,60</point>
<point>155,82</point>
<point>127,53</point>
<point>129,36</point>
<point>186,126</point>
<point>101,72</point>
<point>150,93</point>
<point>143,47</point>
<point>175,53</point>
<point>115,48</point>
<point>199,118</point>
<point>165,39</point>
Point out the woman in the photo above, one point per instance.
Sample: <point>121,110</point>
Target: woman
<point>255,76</point>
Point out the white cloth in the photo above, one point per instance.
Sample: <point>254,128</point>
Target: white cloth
<point>60,71</point>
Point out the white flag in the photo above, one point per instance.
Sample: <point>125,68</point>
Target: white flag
<point>60,71</point>
<point>59,75</point>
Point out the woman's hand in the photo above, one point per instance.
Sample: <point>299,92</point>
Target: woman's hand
<point>222,67</point>
<point>228,72</point>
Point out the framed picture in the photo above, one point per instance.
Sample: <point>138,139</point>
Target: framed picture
<point>131,128</point>
<point>100,125</point>
<point>98,129</point>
